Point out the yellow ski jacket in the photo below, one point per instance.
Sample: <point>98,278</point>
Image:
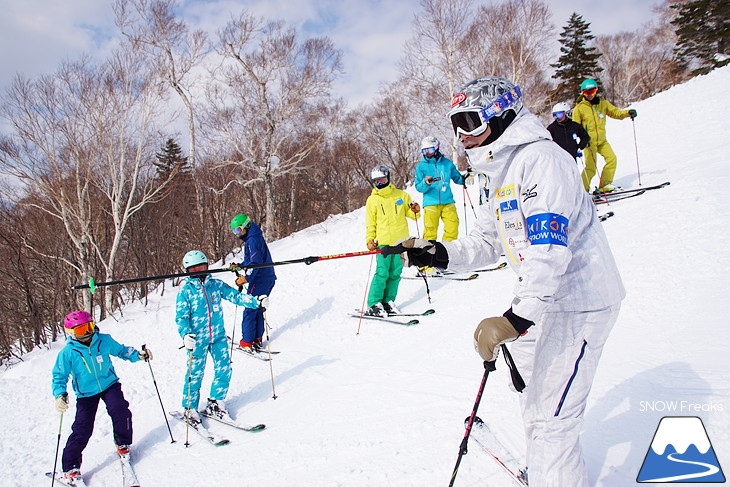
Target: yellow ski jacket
<point>385,215</point>
<point>593,118</point>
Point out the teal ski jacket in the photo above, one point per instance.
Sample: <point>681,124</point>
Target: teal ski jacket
<point>199,311</point>
<point>90,367</point>
<point>438,193</point>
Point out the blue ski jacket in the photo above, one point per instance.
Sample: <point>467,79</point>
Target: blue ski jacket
<point>438,193</point>
<point>199,311</point>
<point>90,367</point>
<point>256,252</point>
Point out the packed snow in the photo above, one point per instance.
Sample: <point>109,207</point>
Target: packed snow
<point>377,404</point>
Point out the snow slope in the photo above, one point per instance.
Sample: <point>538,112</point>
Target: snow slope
<point>385,406</point>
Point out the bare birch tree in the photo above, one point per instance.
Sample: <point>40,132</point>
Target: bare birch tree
<point>84,142</point>
<point>512,39</point>
<point>270,85</point>
<point>434,65</point>
<point>175,48</point>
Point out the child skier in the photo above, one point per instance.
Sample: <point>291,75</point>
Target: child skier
<point>199,318</point>
<point>86,359</point>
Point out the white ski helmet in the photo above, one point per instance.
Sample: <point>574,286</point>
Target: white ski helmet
<point>561,107</point>
<point>430,141</point>
<point>379,172</point>
<point>491,101</point>
<point>193,258</point>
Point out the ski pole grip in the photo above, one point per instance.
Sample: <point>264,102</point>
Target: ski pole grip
<point>490,366</point>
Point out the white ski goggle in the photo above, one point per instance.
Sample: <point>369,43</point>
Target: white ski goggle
<point>474,121</point>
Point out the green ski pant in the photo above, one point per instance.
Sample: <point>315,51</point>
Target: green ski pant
<point>384,287</point>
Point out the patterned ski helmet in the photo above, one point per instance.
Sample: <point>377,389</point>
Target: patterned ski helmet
<point>76,318</point>
<point>491,101</point>
<point>240,220</point>
<point>193,258</point>
<point>380,172</point>
<point>588,84</point>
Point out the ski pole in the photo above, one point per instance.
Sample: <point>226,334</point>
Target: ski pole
<point>488,367</point>
<point>425,281</point>
<point>164,414</point>
<point>268,347</point>
<point>470,203</point>
<point>364,296</point>
<point>187,402</point>
<point>305,260</point>
<point>235,319</point>
<point>58,444</point>
<point>636,148</point>
<point>463,197</point>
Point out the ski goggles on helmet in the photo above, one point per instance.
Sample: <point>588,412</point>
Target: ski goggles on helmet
<point>85,330</point>
<point>474,121</point>
<point>238,230</point>
<point>590,92</point>
<point>429,151</point>
<point>381,181</point>
<point>558,115</point>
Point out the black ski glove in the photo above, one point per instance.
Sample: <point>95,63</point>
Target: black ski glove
<point>419,252</point>
<point>633,114</point>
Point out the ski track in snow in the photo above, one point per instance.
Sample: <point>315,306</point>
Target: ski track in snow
<point>386,407</point>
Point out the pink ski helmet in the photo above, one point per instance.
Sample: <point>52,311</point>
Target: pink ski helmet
<point>76,318</point>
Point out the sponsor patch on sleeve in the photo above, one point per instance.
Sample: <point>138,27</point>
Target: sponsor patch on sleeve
<point>547,228</point>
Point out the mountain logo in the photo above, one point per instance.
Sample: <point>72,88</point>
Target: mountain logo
<point>681,452</point>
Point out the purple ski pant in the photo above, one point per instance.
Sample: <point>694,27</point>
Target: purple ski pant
<point>118,409</point>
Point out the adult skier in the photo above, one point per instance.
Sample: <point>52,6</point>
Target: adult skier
<point>590,111</point>
<point>434,174</point>
<point>568,290</point>
<point>199,318</point>
<point>386,211</point>
<point>86,359</point>
<point>568,134</point>
<point>260,280</point>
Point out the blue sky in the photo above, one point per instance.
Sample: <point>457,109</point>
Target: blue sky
<point>38,34</point>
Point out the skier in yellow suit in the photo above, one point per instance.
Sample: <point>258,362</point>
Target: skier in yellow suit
<point>590,111</point>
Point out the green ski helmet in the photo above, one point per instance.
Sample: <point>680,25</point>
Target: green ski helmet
<point>193,258</point>
<point>240,220</point>
<point>588,84</point>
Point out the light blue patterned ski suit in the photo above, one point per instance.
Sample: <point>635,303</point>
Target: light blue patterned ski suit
<point>199,311</point>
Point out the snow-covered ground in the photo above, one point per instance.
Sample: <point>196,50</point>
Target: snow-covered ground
<point>385,406</point>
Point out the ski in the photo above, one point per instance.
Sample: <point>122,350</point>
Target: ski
<point>601,197</point>
<point>259,355</point>
<point>129,478</point>
<point>487,441</point>
<point>233,424</point>
<point>450,277</point>
<point>201,430</point>
<point>386,320</point>
<point>78,482</point>
<point>618,198</point>
<point>500,266</point>
<point>425,313</point>
<point>605,216</point>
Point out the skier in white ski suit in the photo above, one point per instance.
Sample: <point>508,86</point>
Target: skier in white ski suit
<point>568,285</point>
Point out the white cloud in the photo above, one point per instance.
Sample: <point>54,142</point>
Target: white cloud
<point>38,34</point>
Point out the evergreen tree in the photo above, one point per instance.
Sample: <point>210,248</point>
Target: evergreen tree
<point>703,32</point>
<point>577,62</point>
<point>169,160</point>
